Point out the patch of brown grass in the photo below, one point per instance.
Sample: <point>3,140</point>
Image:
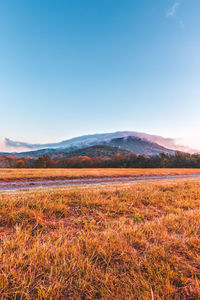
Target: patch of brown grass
<point>43,174</point>
<point>135,241</point>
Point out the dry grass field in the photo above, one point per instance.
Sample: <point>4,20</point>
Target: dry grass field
<point>41,174</point>
<point>120,241</point>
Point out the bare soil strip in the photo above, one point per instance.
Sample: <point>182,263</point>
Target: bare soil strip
<point>32,184</point>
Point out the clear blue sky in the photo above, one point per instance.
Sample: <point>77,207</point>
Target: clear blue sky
<point>69,68</point>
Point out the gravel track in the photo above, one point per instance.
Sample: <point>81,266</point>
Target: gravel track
<point>33,184</point>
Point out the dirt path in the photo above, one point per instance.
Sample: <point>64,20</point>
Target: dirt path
<point>20,185</point>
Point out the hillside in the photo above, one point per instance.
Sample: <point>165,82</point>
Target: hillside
<point>139,146</point>
<point>100,139</point>
<point>131,143</point>
<point>100,151</point>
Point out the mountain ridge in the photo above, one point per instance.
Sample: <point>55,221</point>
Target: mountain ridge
<point>100,138</point>
<point>127,144</point>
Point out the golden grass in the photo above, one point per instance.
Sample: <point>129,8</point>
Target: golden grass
<point>23,174</point>
<point>122,241</point>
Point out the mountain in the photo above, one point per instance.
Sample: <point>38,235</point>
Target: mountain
<point>99,139</point>
<point>100,151</point>
<point>124,145</point>
<point>139,146</point>
<point>102,148</point>
<point>103,151</point>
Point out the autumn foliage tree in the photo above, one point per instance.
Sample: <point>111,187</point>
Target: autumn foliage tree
<point>178,160</point>
<point>19,164</point>
<point>44,162</point>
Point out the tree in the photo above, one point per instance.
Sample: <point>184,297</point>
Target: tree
<point>19,164</point>
<point>44,162</point>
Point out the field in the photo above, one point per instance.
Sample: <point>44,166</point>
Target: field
<point>41,174</point>
<point>119,241</point>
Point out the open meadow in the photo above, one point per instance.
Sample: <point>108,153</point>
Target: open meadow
<point>118,241</point>
<point>43,174</point>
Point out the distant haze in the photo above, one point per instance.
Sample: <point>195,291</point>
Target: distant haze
<point>88,140</point>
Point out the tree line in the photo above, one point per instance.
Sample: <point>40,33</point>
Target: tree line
<point>178,160</point>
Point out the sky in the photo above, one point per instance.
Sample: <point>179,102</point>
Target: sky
<point>69,68</point>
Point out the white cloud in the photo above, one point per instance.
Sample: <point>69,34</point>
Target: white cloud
<point>6,148</point>
<point>171,12</point>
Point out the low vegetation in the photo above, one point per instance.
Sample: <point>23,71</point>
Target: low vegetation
<point>42,174</point>
<point>104,159</point>
<point>130,241</point>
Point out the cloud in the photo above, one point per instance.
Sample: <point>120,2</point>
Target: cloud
<point>5,146</point>
<point>171,12</point>
<point>11,143</point>
<point>15,144</point>
<point>22,146</point>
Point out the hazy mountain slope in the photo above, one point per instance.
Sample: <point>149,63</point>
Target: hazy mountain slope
<point>139,146</point>
<point>5,154</point>
<point>103,151</point>
<point>100,151</point>
<point>39,153</point>
<point>97,139</point>
<point>117,145</point>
